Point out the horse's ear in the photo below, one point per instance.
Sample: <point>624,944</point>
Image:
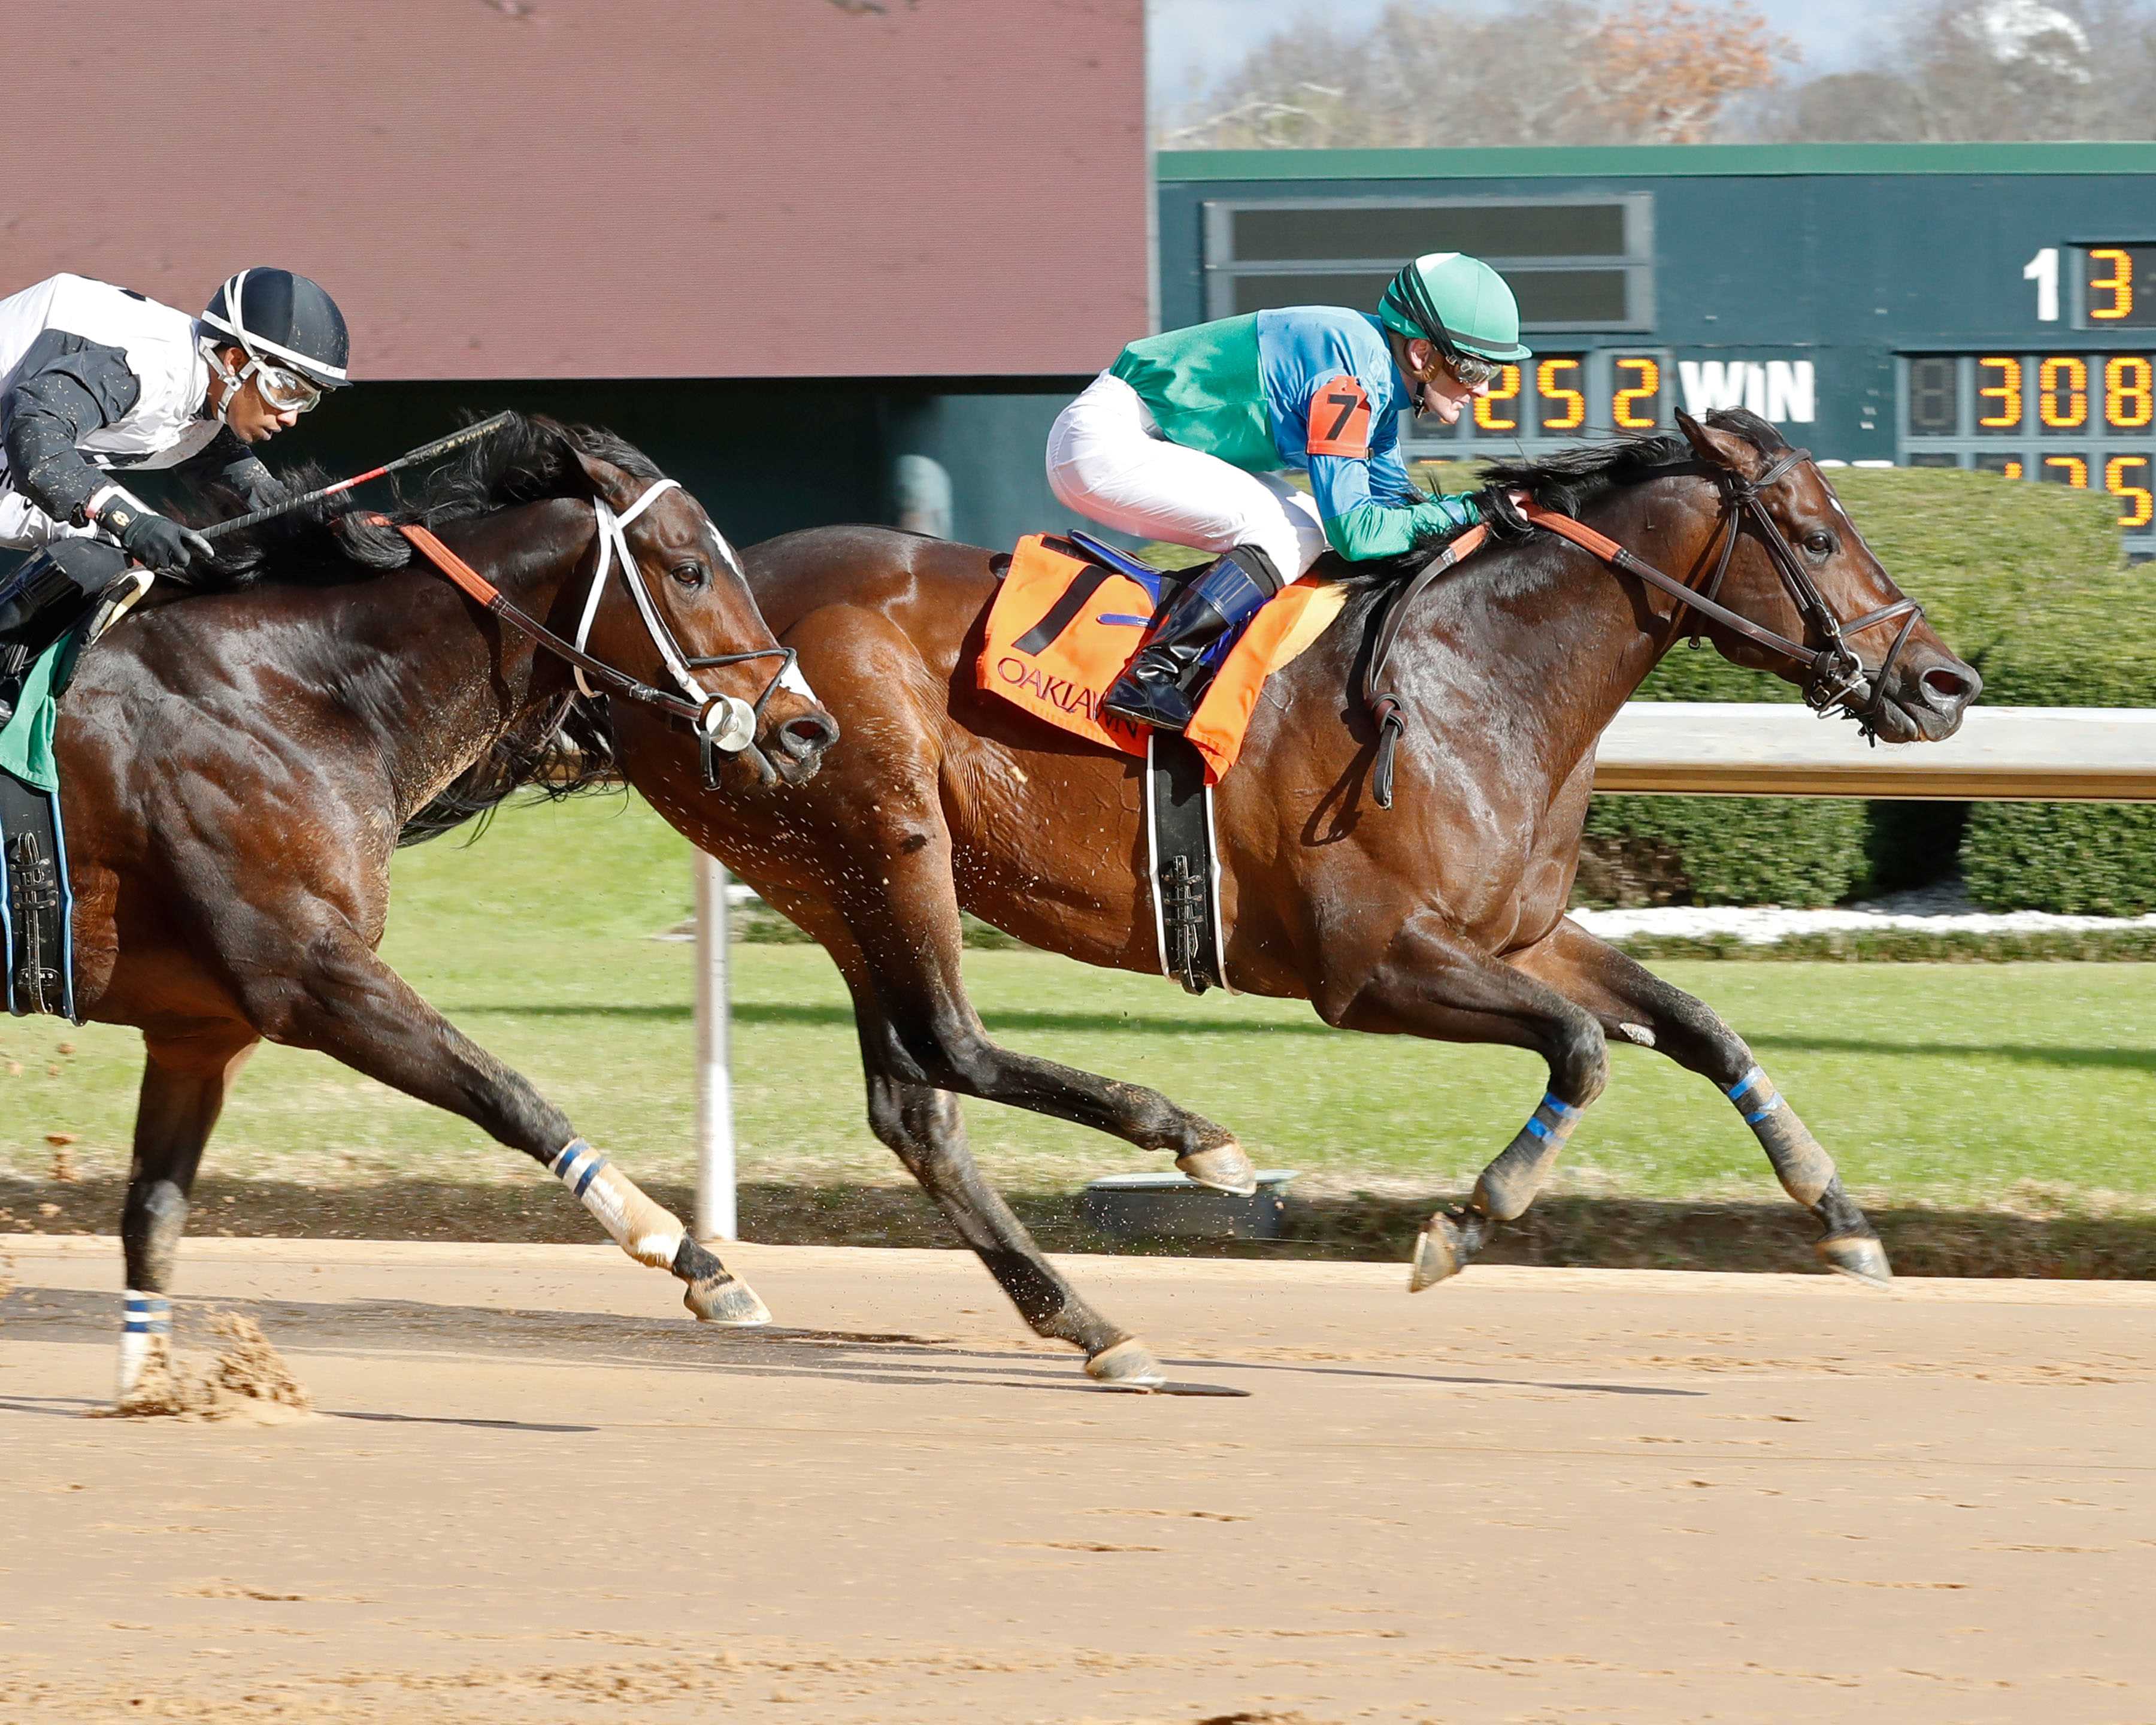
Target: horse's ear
<point>1720,448</point>
<point>609,484</point>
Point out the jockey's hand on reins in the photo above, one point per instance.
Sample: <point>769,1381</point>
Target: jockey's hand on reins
<point>1503,512</point>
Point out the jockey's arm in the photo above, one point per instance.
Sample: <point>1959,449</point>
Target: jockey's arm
<point>64,388</point>
<point>1359,526</point>
<point>232,462</point>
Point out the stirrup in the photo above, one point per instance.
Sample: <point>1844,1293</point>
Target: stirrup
<point>116,602</point>
<point>15,662</point>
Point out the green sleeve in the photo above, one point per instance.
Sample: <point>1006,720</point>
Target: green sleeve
<point>1370,530</point>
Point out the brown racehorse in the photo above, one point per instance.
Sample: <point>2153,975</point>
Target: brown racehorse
<point>1442,916</point>
<point>237,767</point>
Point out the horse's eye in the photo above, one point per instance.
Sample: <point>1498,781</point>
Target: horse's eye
<point>688,575</point>
<point>1818,544</point>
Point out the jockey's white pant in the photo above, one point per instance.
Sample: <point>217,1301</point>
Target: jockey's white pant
<point>24,526</point>
<point>1106,459</point>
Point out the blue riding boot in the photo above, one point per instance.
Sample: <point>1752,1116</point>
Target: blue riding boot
<point>1161,685</point>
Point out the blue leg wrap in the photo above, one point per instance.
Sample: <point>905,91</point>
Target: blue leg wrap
<point>1803,1167</point>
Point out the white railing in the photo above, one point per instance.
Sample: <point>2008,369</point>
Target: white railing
<point>2028,753</point>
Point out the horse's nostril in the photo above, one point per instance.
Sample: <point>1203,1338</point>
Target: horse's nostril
<point>810,734</point>
<point>1950,687</point>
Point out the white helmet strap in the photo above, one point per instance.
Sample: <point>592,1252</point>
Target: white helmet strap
<point>232,380</point>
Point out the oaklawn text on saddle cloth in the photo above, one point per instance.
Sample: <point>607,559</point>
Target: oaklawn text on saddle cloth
<point>1060,674</point>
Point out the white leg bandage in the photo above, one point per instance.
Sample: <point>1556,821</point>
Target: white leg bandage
<point>649,1232</point>
<point>146,1328</point>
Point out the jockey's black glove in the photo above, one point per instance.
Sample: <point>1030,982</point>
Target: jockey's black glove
<point>254,482</point>
<point>154,541</point>
<point>1501,515</point>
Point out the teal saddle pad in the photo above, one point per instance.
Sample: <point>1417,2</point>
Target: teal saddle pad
<point>37,905</point>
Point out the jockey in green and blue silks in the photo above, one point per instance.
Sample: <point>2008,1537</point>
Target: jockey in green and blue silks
<point>1186,436</point>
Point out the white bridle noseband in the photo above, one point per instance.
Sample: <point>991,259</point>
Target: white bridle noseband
<point>728,720</point>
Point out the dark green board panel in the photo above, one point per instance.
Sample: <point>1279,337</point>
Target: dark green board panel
<point>1804,283</point>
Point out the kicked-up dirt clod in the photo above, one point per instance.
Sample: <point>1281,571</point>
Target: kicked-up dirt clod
<point>248,1381</point>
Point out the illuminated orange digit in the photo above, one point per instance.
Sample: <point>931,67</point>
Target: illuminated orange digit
<point>2128,403</point>
<point>2140,501</point>
<point>2073,466</point>
<point>2007,393</point>
<point>1507,387</point>
<point>2119,284</point>
<point>2062,408</point>
<point>2011,471</point>
<point>1648,390</point>
<point>1550,390</point>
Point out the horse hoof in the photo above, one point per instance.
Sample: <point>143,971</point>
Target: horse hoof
<point>1129,1365</point>
<point>1224,1169</point>
<point>726,1299</point>
<point>1437,1255</point>
<point>1859,1256</point>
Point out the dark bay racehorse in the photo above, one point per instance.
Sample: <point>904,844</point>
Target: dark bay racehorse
<point>238,766</point>
<point>1442,916</point>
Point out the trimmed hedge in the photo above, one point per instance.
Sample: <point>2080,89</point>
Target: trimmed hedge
<point>1999,565</point>
<point>1806,852</point>
<point>2081,859</point>
<point>2087,859</point>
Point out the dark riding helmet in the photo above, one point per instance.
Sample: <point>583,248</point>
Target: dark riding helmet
<point>283,319</point>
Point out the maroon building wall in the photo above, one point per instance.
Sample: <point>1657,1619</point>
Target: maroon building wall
<point>608,188</point>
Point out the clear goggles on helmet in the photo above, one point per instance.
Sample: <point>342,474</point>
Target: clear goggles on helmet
<point>282,389</point>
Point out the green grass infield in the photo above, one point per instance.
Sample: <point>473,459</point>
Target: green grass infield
<point>2007,1102</point>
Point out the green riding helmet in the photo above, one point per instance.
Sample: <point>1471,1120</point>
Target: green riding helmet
<point>1457,301</point>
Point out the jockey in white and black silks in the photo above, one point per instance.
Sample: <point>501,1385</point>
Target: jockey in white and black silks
<point>96,379</point>
<point>1184,437</point>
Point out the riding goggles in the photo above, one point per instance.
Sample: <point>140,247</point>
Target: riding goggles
<point>1471,369</point>
<point>282,391</point>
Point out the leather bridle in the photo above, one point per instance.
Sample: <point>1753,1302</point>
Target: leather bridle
<point>1835,674</point>
<point>723,724</point>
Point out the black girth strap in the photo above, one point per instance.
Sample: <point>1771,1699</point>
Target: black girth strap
<point>37,903</point>
<point>1383,705</point>
<point>1182,849</point>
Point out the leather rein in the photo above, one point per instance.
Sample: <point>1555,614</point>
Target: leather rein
<point>723,724</point>
<point>1834,672</point>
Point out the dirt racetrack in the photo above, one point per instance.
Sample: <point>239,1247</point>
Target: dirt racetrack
<point>534,1492</point>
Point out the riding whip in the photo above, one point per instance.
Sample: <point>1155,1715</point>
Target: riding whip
<point>426,452</point>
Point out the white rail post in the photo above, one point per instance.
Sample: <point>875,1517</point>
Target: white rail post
<point>715,1097</point>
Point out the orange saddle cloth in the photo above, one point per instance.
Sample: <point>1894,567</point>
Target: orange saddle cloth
<point>1061,628</point>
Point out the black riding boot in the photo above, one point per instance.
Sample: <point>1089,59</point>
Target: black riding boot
<point>45,598</point>
<point>1161,685</point>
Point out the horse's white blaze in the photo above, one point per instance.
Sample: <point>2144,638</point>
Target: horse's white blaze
<point>791,678</point>
<point>726,549</point>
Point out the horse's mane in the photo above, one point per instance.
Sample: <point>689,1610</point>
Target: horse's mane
<point>557,751</point>
<point>1576,479</point>
<point>528,460</point>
